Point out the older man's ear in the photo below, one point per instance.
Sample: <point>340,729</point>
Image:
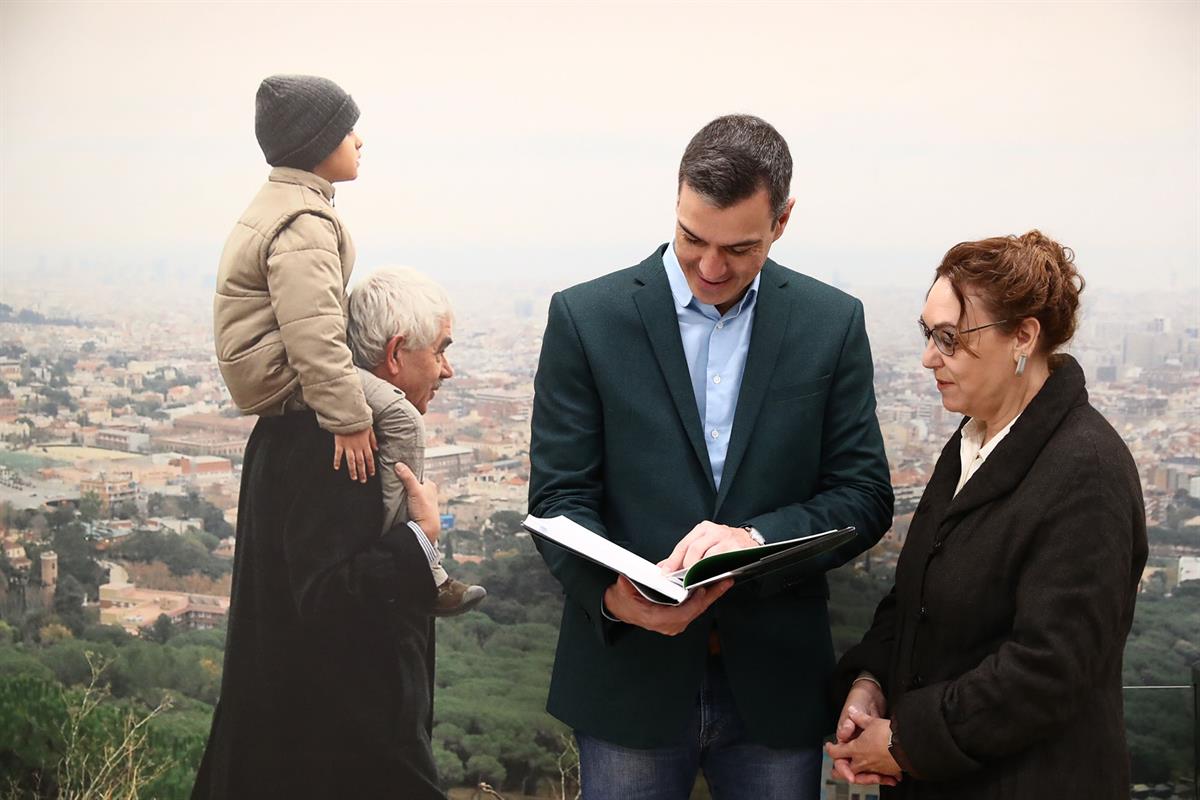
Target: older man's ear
<point>393,355</point>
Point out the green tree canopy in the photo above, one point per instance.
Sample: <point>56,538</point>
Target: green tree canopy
<point>89,507</point>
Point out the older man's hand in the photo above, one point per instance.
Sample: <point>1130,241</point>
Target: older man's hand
<point>422,501</point>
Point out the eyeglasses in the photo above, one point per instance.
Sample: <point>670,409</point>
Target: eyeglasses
<point>946,339</point>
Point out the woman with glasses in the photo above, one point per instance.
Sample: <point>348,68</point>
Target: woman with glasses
<point>993,668</point>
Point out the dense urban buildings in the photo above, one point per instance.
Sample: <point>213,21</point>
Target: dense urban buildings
<point>129,404</point>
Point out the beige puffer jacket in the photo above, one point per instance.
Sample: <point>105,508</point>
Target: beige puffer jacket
<point>280,307</point>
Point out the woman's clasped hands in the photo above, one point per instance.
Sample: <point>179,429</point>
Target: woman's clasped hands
<point>861,754</point>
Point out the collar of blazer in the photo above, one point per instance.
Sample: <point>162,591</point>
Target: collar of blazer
<point>1007,466</point>
<point>652,295</point>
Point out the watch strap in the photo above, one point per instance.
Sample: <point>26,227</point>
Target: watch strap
<point>754,534</point>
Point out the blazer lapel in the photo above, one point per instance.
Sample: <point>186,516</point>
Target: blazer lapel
<point>657,309</point>
<point>771,313</point>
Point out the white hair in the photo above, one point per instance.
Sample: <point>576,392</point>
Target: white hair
<point>394,301</point>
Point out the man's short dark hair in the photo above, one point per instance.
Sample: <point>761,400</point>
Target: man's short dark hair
<point>734,156</point>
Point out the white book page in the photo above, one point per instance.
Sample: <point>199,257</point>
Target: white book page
<point>594,547</point>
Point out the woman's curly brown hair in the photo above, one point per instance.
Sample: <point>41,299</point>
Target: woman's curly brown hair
<point>1015,277</point>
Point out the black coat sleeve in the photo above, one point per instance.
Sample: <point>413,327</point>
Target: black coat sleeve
<point>873,654</point>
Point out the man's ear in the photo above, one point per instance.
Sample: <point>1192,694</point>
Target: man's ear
<point>782,221</point>
<point>393,354</point>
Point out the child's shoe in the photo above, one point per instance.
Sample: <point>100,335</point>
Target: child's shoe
<point>455,597</point>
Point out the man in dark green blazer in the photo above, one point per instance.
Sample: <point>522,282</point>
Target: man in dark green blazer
<point>704,400</point>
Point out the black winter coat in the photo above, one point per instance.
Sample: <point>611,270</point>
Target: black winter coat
<point>999,647</point>
<point>327,690</point>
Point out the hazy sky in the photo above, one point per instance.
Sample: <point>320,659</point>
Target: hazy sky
<point>520,141</point>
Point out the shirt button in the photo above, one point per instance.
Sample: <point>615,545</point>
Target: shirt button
<point>716,433</point>
<point>716,378</point>
<point>720,325</point>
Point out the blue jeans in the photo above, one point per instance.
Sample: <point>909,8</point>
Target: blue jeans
<point>736,769</point>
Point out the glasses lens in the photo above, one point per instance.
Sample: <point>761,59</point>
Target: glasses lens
<point>945,341</point>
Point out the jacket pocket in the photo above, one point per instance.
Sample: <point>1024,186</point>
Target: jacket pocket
<point>799,391</point>
<point>259,377</point>
<point>793,582</point>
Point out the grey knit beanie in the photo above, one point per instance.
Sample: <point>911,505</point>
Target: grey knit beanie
<point>301,119</point>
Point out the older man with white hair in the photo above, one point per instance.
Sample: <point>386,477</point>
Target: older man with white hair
<point>327,688</point>
<point>399,325</point>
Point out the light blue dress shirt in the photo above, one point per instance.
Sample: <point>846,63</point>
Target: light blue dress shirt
<point>715,346</point>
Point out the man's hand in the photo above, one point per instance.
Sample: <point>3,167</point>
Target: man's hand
<point>706,539</point>
<point>625,603</point>
<point>422,501</point>
<point>867,696</point>
<point>869,759</point>
<point>359,449</point>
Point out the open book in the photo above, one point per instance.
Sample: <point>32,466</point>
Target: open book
<point>673,588</point>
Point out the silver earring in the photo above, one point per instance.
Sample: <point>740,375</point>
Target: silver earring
<point>1021,365</point>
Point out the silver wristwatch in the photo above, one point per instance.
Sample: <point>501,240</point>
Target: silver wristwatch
<point>754,534</point>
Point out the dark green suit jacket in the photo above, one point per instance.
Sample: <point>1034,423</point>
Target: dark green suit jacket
<point>618,447</point>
